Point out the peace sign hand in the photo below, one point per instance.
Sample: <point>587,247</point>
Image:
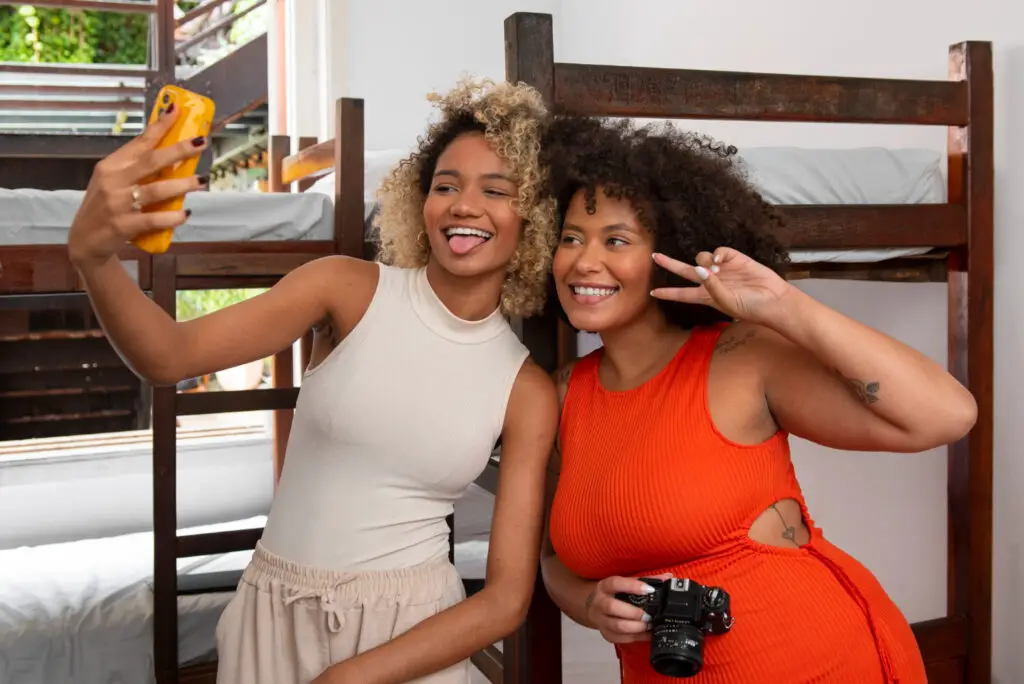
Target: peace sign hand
<point>729,281</point>
<point>110,214</point>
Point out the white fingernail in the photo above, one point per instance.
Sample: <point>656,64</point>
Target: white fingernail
<point>718,258</point>
<point>645,618</point>
<point>702,272</point>
<point>715,269</point>
<point>648,589</point>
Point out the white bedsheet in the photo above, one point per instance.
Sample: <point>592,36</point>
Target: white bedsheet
<point>39,217</point>
<point>792,175</point>
<point>784,175</point>
<point>82,611</point>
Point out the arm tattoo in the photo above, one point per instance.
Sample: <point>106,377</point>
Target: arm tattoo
<point>866,392</point>
<point>732,342</point>
<point>789,531</point>
<point>589,601</point>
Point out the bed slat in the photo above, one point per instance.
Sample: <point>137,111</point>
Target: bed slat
<point>211,543</point>
<point>941,638</point>
<point>625,91</point>
<point>488,661</point>
<point>238,265</point>
<point>202,403</point>
<point>872,226</point>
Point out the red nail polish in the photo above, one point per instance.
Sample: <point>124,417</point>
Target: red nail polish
<point>198,142</point>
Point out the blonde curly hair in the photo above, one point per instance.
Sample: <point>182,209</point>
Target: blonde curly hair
<point>512,118</point>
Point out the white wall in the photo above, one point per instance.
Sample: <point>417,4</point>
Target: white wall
<point>398,51</point>
<point>887,38</point>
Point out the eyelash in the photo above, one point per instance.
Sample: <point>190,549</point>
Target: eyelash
<point>441,188</point>
<point>622,242</point>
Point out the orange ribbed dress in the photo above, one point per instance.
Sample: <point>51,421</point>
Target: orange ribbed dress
<point>649,486</point>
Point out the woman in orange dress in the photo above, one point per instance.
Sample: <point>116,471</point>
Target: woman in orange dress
<point>673,457</point>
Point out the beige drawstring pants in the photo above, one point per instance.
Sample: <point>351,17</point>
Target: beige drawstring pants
<point>287,624</point>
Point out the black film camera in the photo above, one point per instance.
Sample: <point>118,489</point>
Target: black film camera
<point>682,612</point>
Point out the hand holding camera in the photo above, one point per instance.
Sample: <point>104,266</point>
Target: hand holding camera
<point>681,612</point>
<point>618,621</point>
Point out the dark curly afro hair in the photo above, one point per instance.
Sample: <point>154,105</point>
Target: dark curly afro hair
<point>688,190</point>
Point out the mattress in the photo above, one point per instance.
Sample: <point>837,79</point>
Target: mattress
<point>82,611</point>
<point>787,175</point>
<point>34,217</point>
<point>784,175</point>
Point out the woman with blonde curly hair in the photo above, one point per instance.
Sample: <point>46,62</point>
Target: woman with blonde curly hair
<point>415,375</point>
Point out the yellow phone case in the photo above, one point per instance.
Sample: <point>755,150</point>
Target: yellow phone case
<point>195,118</point>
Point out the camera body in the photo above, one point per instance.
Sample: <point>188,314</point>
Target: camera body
<point>682,612</point>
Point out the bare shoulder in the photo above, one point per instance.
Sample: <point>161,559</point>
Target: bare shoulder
<point>531,417</point>
<point>744,341</point>
<point>752,356</point>
<point>349,284</point>
<point>533,391</point>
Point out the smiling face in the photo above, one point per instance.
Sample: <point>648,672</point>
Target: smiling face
<point>603,267</point>
<point>471,224</point>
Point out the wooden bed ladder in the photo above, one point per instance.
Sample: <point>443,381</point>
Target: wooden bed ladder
<point>229,265</point>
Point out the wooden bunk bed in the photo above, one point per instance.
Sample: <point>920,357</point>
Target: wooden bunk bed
<point>35,270</point>
<point>955,237</point>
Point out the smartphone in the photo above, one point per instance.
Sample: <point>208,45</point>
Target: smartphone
<point>195,117</point>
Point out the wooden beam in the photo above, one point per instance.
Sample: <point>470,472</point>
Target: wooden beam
<point>971,345</point>
<point>349,158</point>
<point>238,82</point>
<point>59,145</point>
<point>165,512</point>
<point>241,265</point>
<point>872,226</point>
<point>625,91</point>
<point>210,543</point>
<point>204,403</point>
<point>310,162</point>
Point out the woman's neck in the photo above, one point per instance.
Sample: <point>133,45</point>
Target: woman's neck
<point>470,298</point>
<point>636,352</point>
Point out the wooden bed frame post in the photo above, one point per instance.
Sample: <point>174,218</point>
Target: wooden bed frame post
<point>165,506</point>
<point>280,147</point>
<point>349,230</point>
<point>534,653</point>
<point>971,171</point>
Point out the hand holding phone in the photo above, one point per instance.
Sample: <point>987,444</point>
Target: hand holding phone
<point>194,119</point>
<point>136,194</point>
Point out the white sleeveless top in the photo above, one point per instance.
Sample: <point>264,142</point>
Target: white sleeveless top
<point>390,429</point>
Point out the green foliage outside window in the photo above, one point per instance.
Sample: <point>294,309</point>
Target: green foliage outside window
<point>40,34</point>
<point>194,303</point>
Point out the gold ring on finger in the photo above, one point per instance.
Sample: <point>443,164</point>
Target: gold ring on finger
<point>136,198</point>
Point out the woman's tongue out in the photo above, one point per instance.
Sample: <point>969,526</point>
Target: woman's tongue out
<point>463,244</point>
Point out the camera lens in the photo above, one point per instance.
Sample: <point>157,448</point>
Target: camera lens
<point>677,649</point>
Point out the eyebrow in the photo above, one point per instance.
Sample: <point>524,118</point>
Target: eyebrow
<point>486,176</point>
<point>610,228</point>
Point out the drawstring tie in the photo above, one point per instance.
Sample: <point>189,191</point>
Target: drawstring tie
<point>328,603</point>
<point>888,670</point>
